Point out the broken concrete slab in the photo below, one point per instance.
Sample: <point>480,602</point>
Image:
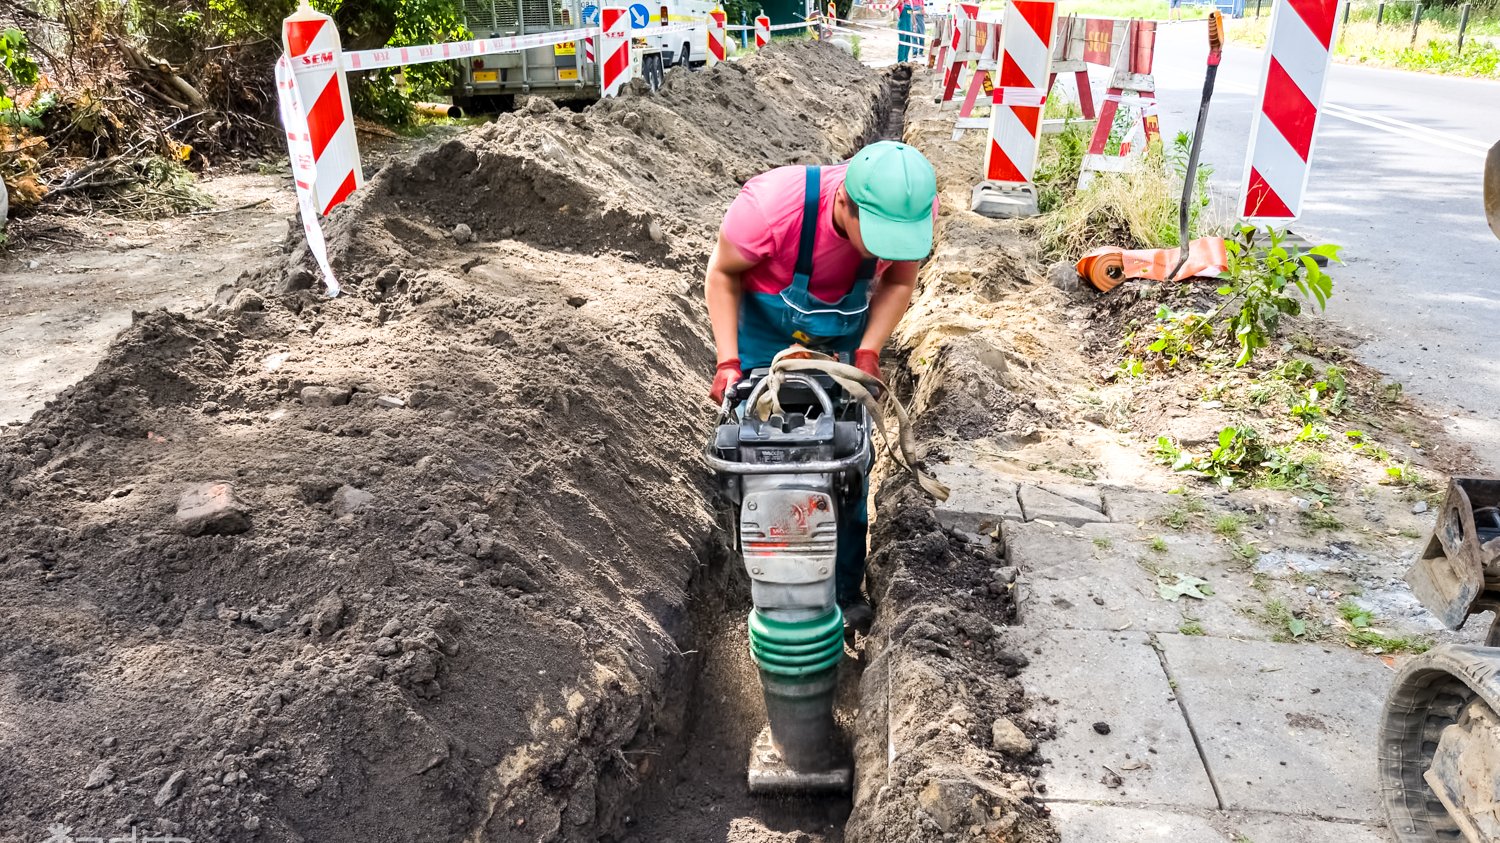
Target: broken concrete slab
<point>1133,506</point>
<point>1114,679</point>
<point>979,498</point>
<point>1273,740</point>
<point>211,509</point>
<point>1268,828</point>
<point>1049,503</point>
<point>1081,823</point>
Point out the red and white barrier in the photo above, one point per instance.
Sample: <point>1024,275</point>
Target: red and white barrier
<point>1131,86</point>
<point>1291,97</point>
<point>960,47</point>
<point>717,20</point>
<point>320,137</point>
<point>614,48</point>
<point>1016,117</point>
<point>762,31</point>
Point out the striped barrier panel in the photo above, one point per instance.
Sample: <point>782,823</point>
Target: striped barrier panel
<point>1291,97</point>
<point>717,20</point>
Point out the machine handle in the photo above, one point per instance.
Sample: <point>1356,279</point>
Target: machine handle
<point>817,389</point>
<point>724,466</point>
<point>1215,36</point>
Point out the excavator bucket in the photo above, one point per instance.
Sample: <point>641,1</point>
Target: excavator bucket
<point>1492,189</point>
<point>1458,573</point>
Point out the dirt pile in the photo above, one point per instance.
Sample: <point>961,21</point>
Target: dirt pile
<point>468,490</point>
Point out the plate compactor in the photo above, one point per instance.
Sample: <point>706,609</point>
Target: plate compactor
<point>791,477</point>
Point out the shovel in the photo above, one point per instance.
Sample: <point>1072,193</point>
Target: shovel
<point>1492,189</point>
<point>1215,52</point>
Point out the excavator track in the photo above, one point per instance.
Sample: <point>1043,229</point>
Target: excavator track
<point>1438,747</point>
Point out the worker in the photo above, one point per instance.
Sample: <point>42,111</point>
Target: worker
<point>826,258</point>
<point>911,26</point>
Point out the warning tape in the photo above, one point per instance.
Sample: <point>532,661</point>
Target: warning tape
<point>398,56</point>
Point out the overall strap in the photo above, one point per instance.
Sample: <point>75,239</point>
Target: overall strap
<point>802,274</point>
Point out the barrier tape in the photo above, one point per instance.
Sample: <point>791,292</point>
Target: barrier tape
<point>1032,97</point>
<point>398,56</point>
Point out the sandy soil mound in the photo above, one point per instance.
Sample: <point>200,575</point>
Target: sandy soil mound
<point>408,564</point>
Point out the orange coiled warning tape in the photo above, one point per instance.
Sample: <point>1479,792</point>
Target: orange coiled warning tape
<point>1106,267</point>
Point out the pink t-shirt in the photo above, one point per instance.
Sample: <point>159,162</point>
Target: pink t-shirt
<point>765,223</point>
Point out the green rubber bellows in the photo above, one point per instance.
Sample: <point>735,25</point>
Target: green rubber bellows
<point>797,648</point>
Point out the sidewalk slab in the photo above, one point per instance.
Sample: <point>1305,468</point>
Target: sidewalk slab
<point>978,500</point>
<point>1274,828</point>
<point>1284,727</point>
<point>1115,679</point>
<point>1080,823</point>
<point>1063,571</point>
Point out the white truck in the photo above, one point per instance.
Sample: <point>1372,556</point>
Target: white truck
<point>562,71</point>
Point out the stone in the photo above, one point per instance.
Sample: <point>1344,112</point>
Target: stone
<point>463,234</point>
<point>1008,738</point>
<point>171,788</point>
<point>325,396</point>
<point>577,301</point>
<point>100,776</point>
<point>1419,507</point>
<point>211,509</point>
<point>1101,727</point>
<point>1073,505</point>
<point>951,804</point>
<point>347,499</point>
<point>654,231</point>
<point>1065,277</point>
<point>386,647</point>
<point>389,402</point>
<point>1007,574</point>
<point>296,279</point>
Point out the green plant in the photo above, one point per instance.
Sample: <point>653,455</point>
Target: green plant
<point>1245,550</point>
<point>1103,543</point>
<point>1358,617</point>
<point>1229,524</point>
<point>1261,281</point>
<point>1158,544</point>
<point>1401,474</point>
<point>1191,628</point>
<point>1288,626</point>
<point>19,69</point>
<point>1321,519</point>
<point>1260,582</point>
<point>1371,639</point>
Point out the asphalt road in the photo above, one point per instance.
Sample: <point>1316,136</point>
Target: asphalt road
<point>1396,180</point>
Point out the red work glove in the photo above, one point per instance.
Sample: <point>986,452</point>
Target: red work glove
<point>725,376</point>
<point>868,361</point>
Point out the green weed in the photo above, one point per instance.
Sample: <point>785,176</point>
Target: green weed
<point>1229,524</point>
<point>1159,544</point>
<point>1103,543</point>
<point>1191,628</point>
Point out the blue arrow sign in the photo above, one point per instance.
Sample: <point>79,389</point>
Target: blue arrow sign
<point>640,18</point>
<point>591,15</point>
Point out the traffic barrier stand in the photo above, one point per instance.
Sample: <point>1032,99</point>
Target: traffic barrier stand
<point>1131,86</point>
<point>961,48</point>
<point>987,47</point>
<point>1068,56</point>
<point>940,28</point>
<point>1291,98</point>
<point>614,49</point>
<point>762,31</point>
<point>1016,113</point>
<point>717,32</point>
<point>317,116</point>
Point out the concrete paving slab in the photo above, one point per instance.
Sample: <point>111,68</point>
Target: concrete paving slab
<point>979,498</point>
<point>1134,505</point>
<point>1115,679</point>
<point>1063,571</point>
<point>1081,823</point>
<point>1041,503</point>
<point>1279,828</point>
<point>1284,727</point>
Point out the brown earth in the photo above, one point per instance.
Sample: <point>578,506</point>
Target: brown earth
<point>468,489</point>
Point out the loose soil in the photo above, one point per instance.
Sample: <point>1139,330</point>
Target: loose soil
<point>473,502</point>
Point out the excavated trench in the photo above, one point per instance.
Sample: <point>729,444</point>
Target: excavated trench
<point>694,787</point>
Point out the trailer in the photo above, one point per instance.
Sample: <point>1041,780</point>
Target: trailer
<point>563,71</point>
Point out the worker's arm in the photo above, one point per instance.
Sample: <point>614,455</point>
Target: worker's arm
<point>889,303</point>
<point>722,289</point>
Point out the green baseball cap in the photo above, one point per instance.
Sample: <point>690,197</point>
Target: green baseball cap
<point>894,186</point>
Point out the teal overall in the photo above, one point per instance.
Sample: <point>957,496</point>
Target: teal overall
<point>770,323</point>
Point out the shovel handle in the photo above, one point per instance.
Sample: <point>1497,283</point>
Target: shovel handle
<point>1215,36</point>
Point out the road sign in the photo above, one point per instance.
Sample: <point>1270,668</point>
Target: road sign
<point>591,15</point>
<point>640,17</point>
